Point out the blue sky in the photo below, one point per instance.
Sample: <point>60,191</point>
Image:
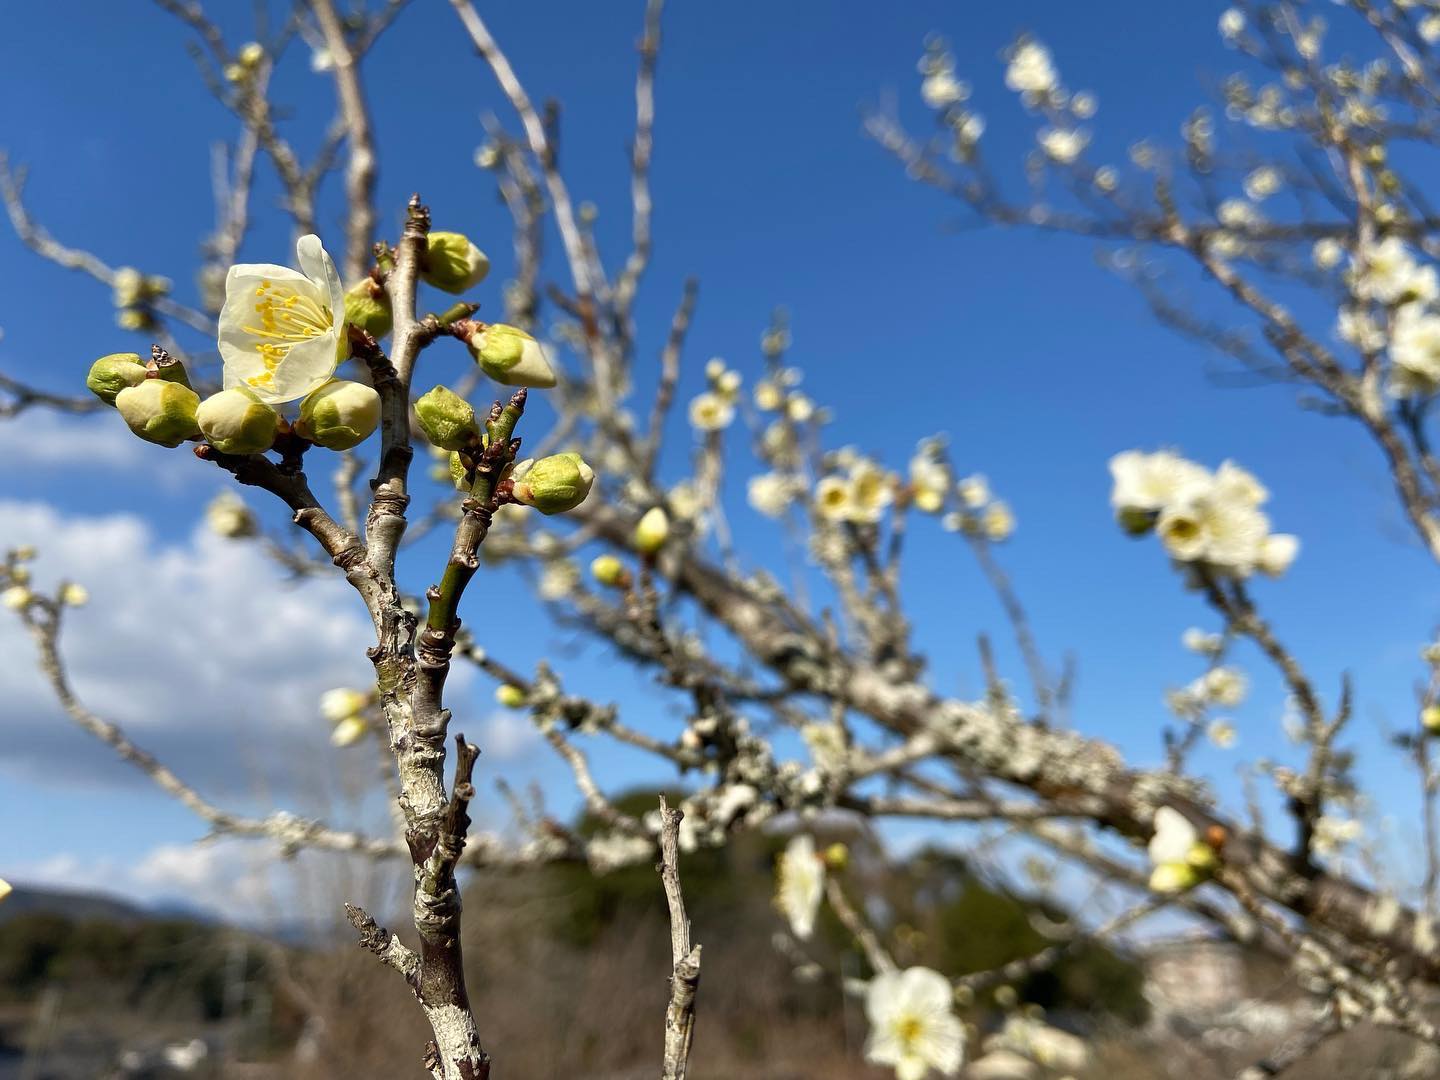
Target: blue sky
<point>1037,363</point>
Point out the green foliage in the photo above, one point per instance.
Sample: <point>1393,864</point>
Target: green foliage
<point>179,962</point>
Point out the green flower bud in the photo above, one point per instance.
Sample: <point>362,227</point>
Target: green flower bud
<point>446,418</point>
<point>836,856</point>
<point>512,697</point>
<point>453,263</point>
<point>111,374</point>
<point>610,571</point>
<point>553,484</point>
<point>367,306</point>
<point>237,422</point>
<point>461,477</point>
<point>1136,522</point>
<point>159,411</point>
<point>511,357</point>
<point>340,415</point>
<point>652,530</point>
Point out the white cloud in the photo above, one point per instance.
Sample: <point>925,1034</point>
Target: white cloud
<point>42,441</point>
<point>507,736</point>
<point>198,648</point>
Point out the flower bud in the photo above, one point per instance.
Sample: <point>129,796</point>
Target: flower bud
<point>453,263</point>
<point>610,571</point>
<point>511,357</point>
<point>349,731</point>
<point>16,597</point>
<point>460,476</point>
<point>652,530</point>
<point>237,422</point>
<point>553,484</point>
<point>836,856</point>
<point>74,595</point>
<point>160,411</point>
<point>111,374</point>
<point>447,419</point>
<point>337,704</point>
<point>228,516</point>
<point>5,889</point>
<point>25,552</point>
<point>512,697</point>
<point>367,306</point>
<point>1173,878</point>
<point>340,415</point>
<point>1430,719</point>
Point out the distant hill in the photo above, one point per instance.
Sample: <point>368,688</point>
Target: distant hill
<point>72,904</point>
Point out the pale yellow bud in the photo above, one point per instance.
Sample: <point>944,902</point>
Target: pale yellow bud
<point>652,530</point>
<point>610,571</point>
<point>235,421</point>
<point>511,356</point>
<point>512,697</point>
<point>349,731</point>
<point>16,597</point>
<point>160,411</point>
<point>75,595</point>
<point>340,415</point>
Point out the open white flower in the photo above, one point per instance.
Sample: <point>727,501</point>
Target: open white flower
<point>912,1026</point>
<point>1149,482</point>
<point>1415,349</point>
<point>1177,854</point>
<point>1030,70</point>
<point>282,331</point>
<point>711,412</point>
<point>1388,272</point>
<point>1063,144</point>
<point>799,885</point>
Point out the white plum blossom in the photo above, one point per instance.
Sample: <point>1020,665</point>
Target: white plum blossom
<point>1358,327</point>
<point>1030,70</point>
<point>1415,351</point>
<point>1262,182</point>
<point>1063,144</point>
<point>913,1027</point>
<point>1177,854</point>
<point>799,885</point>
<point>282,331</point>
<point>771,493</point>
<point>1149,482</point>
<point>1202,642</point>
<point>1388,273</point>
<point>1327,253</point>
<point>1221,733</point>
<point>710,411</point>
<point>1200,517</point>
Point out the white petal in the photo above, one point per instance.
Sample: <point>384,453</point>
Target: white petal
<point>317,265</point>
<point>924,991</point>
<point>1173,839</point>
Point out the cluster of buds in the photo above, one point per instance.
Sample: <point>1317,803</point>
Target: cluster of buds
<point>16,593</point>
<point>135,294</point>
<point>980,514</point>
<point>247,62</point>
<point>347,709</point>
